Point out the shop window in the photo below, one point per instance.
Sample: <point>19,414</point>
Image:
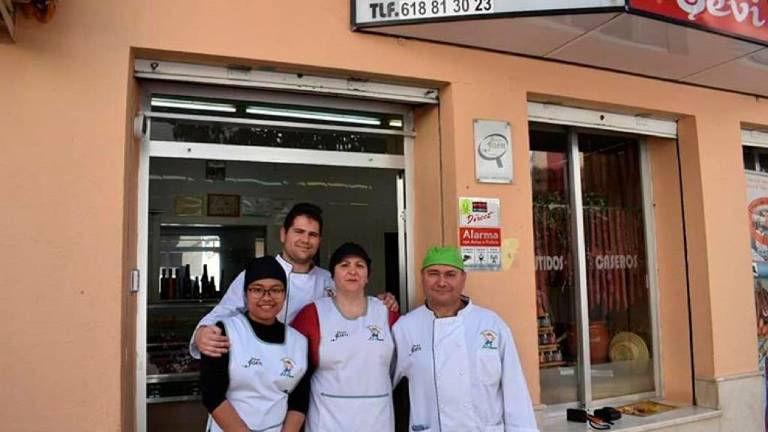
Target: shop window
<point>755,159</point>
<point>608,293</point>
<point>756,167</point>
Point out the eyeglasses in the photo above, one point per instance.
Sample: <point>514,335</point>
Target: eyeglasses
<point>259,292</point>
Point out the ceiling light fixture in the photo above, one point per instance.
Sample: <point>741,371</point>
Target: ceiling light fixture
<point>313,115</point>
<point>193,105</point>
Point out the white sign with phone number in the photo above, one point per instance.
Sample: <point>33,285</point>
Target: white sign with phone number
<point>380,11</point>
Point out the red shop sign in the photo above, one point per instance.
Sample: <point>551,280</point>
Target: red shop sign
<point>741,18</point>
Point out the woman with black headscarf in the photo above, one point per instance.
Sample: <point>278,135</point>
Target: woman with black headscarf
<point>258,385</point>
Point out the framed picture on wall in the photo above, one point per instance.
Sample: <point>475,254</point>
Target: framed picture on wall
<point>188,205</point>
<point>224,205</point>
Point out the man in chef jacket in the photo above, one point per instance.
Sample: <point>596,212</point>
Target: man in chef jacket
<point>300,236</point>
<point>462,366</point>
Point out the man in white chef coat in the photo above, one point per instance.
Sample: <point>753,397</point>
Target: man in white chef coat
<point>300,236</point>
<point>463,371</point>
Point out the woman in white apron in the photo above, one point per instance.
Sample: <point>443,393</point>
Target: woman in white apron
<point>351,349</point>
<point>253,387</point>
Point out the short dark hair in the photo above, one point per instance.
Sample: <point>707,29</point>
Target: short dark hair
<point>345,250</point>
<point>304,209</point>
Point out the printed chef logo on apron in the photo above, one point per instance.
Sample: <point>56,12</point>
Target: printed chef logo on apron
<point>253,362</point>
<point>415,348</point>
<point>288,365</point>
<point>375,333</point>
<point>490,340</point>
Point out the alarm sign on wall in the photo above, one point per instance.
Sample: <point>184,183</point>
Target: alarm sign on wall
<point>493,151</point>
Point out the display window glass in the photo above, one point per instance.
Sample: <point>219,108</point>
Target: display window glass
<point>605,292</point>
<point>555,288</point>
<point>756,166</point>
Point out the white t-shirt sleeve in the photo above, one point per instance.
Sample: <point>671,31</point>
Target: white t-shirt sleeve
<point>400,366</point>
<point>518,409</point>
<point>230,305</point>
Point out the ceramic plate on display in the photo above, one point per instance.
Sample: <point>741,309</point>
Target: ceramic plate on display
<point>627,346</point>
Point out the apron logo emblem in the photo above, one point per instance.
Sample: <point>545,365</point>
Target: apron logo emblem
<point>253,362</point>
<point>288,365</point>
<point>375,333</point>
<point>415,348</point>
<point>490,340</point>
<point>339,334</point>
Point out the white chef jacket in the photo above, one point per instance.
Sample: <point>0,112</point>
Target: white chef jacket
<point>464,374</point>
<point>303,289</point>
<point>261,374</point>
<point>351,387</point>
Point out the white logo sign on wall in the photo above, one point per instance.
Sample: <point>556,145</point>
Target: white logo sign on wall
<point>493,151</point>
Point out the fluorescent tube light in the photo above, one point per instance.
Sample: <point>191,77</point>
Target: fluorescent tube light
<point>193,105</point>
<point>396,123</point>
<point>313,115</point>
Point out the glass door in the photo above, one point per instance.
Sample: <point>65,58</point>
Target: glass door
<point>618,295</point>
<point>594,302</point>
<point>556,291</point>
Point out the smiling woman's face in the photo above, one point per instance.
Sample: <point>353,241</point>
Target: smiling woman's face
<point>351,274</point>
<point>265,300</point>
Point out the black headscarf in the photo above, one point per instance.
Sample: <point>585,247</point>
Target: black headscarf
<point>265,267</point>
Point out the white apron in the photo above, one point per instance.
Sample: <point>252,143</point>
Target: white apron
<point>261,375</point>
<point>351,388</point>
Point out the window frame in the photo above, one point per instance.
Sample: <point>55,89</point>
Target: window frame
<point>149,148</point>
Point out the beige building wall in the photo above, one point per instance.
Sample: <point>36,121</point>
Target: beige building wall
<point>68,176</point>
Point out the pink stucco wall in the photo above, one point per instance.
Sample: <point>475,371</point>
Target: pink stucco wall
<point>67,174</point>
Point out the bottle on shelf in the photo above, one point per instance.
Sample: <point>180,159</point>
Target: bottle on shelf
<point>212,288</point>
<point>187,286</point>
<point>173,284</point>
<point>204,283</point>
<point>196,288</point>
<point>164,284</point>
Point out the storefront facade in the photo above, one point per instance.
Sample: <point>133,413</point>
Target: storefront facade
<point>658,201</point>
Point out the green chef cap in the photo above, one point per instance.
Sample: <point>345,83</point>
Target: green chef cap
<point>448,255</point>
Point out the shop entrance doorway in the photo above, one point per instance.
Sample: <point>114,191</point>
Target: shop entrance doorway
<point>219,173</point>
